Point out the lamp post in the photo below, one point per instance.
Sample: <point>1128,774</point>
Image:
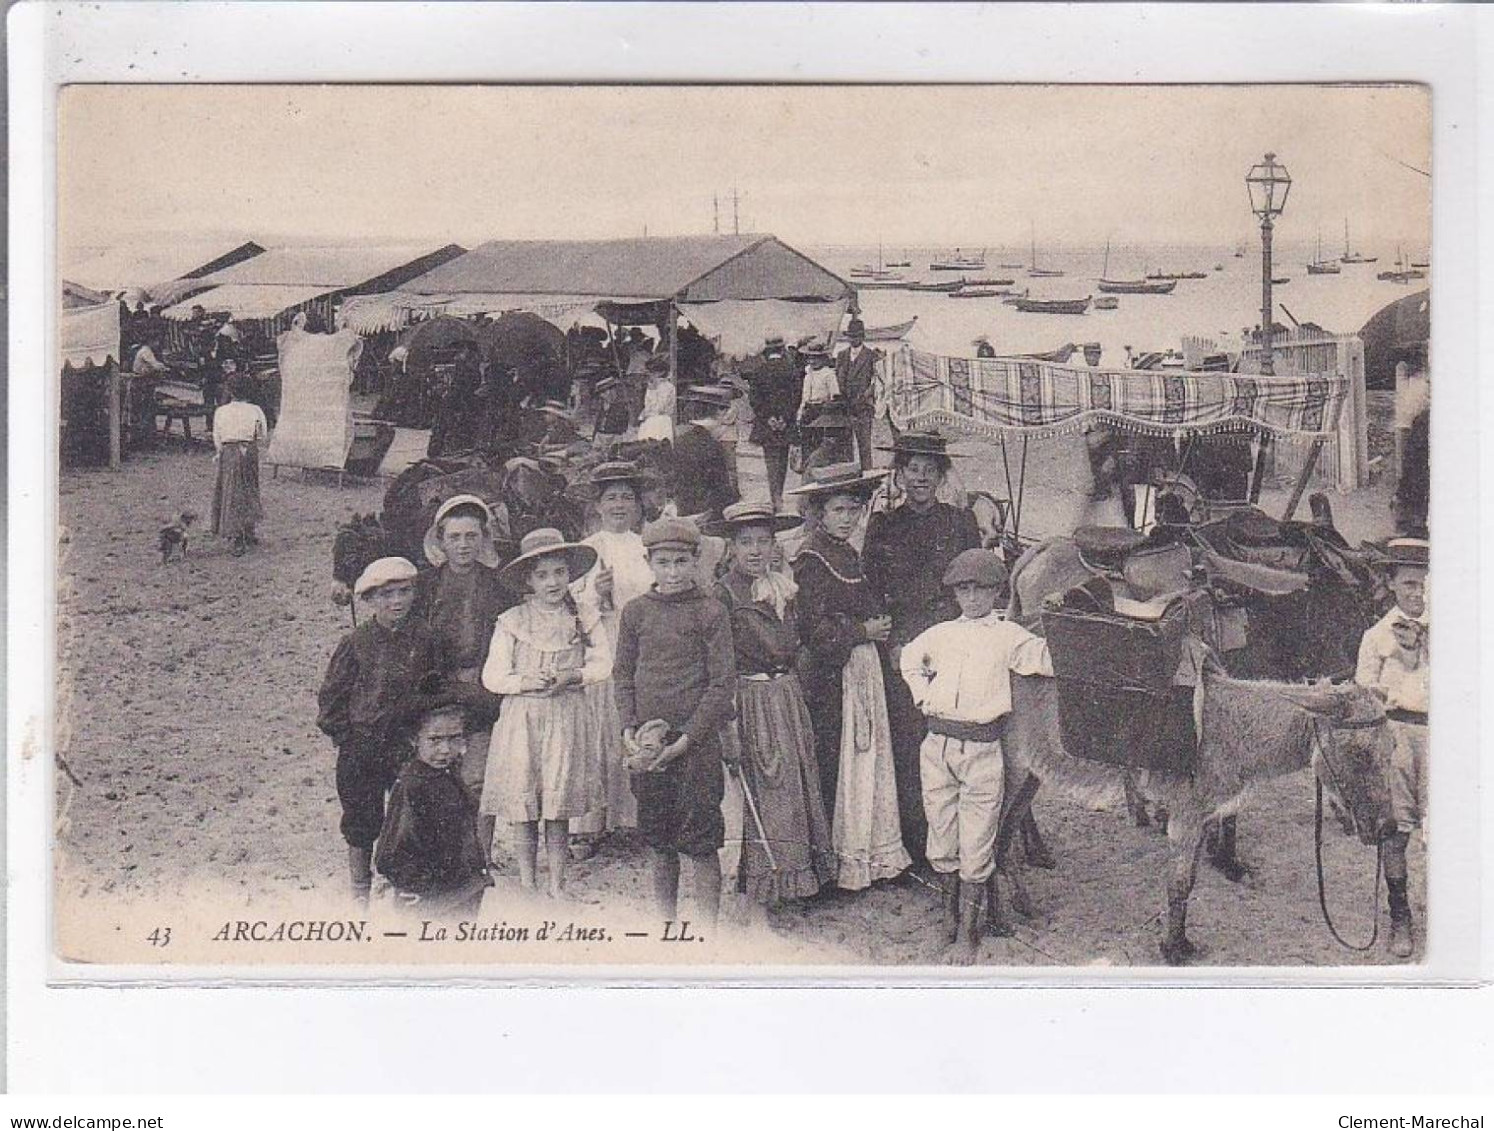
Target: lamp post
<point>1268,184</point>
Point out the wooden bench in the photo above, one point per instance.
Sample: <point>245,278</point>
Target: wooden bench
<point>185,411</point>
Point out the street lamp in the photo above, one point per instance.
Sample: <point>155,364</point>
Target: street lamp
<point>1269,184</point>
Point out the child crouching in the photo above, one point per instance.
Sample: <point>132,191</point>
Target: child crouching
<point>959,674</point>
<point>674,675</point>
<point>429,849</point>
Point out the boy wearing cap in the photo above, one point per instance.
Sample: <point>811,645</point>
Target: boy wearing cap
<point>1394,662</point>
<point>363,699</point>
<point>675,671</point>
<point>429,849</point>
<point>907,551</point>
<point>960,675</point>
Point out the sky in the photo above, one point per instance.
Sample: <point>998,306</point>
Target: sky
<point>910,166</point>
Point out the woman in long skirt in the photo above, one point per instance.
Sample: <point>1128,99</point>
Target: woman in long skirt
<point>778,760</point>
<point>620,574</point>
<point>845,631</point>
<point>239,428</point>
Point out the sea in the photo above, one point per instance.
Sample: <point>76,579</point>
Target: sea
<point>1221,305</point>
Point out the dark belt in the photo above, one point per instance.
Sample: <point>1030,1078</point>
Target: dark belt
<point>1401,715</point>
<point>965,732</point>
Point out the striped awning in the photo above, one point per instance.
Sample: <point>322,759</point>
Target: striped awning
<point>996,396</point>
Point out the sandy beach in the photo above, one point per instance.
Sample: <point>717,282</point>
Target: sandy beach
<point>186,711</point>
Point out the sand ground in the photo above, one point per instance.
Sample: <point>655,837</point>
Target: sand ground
<point>186,711</point>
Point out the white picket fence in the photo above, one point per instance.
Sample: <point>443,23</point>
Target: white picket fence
<point>1344,460</point>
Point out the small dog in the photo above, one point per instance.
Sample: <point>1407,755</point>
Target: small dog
<point>173,538</point>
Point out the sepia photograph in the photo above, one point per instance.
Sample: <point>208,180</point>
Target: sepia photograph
<point>777,527</point>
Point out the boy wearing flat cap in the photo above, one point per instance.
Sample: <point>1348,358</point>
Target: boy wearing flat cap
<point>363,702</point>
<point>674,675</point>
<point>959,673</point>
<point>1394,662</point>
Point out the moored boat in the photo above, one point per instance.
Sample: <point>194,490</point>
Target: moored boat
<point>1107,302</point>
<point>889,333</point>
<point>1036,272</point>
<point>1146,286</point>
<point>1321,266</point>
<point>937,288</point>
<point>1051,305</point>
<point>1353,256</point>
<point>959,262</point>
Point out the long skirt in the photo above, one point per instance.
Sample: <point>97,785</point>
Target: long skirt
<point>542,763</point>
<point>865,830</point>
<point>780,768</point>
<point>236,505</point>
<point>619,809</point>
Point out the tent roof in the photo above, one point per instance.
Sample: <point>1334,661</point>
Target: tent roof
<point>245,301</point>
<point>333,267</point>
<point>689,268</point>
<point>283,277</point>
<point>143,265</point>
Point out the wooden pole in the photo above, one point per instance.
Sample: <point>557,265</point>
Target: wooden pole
<point>674,352</point>
<point>115,410</point>
<point>1307,466</point>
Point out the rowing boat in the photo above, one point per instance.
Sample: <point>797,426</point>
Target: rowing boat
<point>1051,305</point>
<point>1137,286</point>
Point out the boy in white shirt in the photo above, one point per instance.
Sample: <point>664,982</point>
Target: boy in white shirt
<point>959,672</point>
<point>1394,662</point>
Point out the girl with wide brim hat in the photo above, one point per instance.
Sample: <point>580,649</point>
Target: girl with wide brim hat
<point>751,513</point>
<point>457,506</point>
<point>545,542</point>
<point>840,479</point>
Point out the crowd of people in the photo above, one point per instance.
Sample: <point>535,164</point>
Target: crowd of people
<point>850,669</point>
<point>524,712</point>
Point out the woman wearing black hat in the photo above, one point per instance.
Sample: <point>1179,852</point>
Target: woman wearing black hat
<point>845,628</point>
<point>907,551</point>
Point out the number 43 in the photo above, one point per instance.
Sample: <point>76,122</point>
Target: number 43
<point>161,936</point>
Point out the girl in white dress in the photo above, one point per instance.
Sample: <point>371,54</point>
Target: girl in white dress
<point>543,764</point>
<point>657,418</point>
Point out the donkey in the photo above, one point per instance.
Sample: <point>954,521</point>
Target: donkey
<point>1251,731</point>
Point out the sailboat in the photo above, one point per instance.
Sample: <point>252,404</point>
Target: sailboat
<point>1353,256</point>
<point>1321,266</point>
<point>959,262</point>
<point>879,273</point>
<point>1036,272</point>
<point>1402,273</point>
<point>1131,286</point>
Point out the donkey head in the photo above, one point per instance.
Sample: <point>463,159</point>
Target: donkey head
<point>1352,756</point>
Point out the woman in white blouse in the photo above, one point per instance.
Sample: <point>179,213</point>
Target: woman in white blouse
<point>238,429</point>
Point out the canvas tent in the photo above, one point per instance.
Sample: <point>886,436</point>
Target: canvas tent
<point>286,279</point>
<point>165,270</point>
<point>720,282</point>
<point>90,350</point>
